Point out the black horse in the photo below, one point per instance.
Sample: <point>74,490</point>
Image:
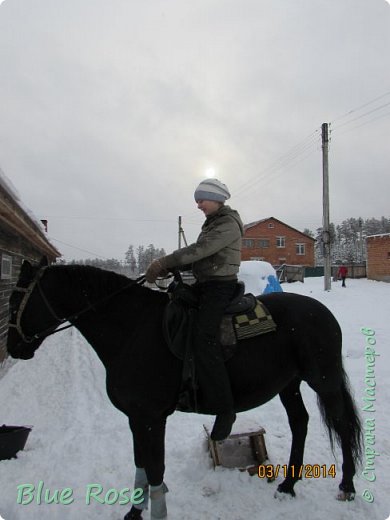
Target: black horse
<point>123,322</point>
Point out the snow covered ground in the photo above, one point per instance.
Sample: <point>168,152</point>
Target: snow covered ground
<point>79,438</point>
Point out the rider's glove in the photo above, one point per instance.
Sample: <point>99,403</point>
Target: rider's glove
<point>156,268</point>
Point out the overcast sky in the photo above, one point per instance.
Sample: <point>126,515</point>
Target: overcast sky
<point>112,111</point>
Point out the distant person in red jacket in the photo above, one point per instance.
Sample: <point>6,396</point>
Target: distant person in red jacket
<point>342,273</point>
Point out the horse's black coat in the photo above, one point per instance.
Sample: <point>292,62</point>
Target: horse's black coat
<point>143,377</point>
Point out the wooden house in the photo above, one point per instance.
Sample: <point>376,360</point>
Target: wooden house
<point>21,237</point>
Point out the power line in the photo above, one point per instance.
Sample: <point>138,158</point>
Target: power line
<point>279,170</point>
<point>362,115</point>
<point>360,107</point>
<point>307,144</point>
<point>386,114</point>
<point>283,157</point>
<point>281,162</point>
<point>78,248</point>
<point>76,217</point>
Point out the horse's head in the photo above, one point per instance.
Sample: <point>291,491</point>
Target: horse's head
<point>27,317</point>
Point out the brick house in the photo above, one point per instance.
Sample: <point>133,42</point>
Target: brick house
<point>21,237</point>
<point>378,257</point>
<point>278,243</point>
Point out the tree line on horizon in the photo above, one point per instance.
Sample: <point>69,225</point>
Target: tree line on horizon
<point>348,238</point>
<point>136,260</point>
<point>347,244</point>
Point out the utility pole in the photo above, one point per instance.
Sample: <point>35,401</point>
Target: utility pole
<point>325,204</point>
<point>180,228</point>
<point>181,234</point>
<point>361,239</point>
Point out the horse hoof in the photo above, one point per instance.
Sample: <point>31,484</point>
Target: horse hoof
<point>345,496</point>
<point>281,495</point>
<point>284,490</point>
<point>133,514</point>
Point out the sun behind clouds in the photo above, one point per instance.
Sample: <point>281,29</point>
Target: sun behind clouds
<point>210,172</point>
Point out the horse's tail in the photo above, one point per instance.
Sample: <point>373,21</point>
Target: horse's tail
<point>350,422</point>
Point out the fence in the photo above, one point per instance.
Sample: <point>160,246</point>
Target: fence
<point>354,271</point>
<point>291,273</point>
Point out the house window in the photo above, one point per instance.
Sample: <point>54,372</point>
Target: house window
<point>263,243</point>
<point>248,243</point>
<point>300,249</point>
<point>6,267</point>
<point>271,225</point>
<point>280,241</point>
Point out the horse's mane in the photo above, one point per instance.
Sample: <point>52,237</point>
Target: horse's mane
<point>102,282</point>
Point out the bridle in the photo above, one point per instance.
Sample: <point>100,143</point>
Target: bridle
<point>53,329</point>
<point>27,291</point>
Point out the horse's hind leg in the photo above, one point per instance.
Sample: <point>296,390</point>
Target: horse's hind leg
<point>149,455</point>
<point>298,418</point>
<point>340,415</point>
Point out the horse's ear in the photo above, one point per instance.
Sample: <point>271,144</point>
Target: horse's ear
<point>26,271</point>
<point>44,262</point>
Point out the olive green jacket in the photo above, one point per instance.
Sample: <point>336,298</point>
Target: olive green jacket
<point>216,254</point>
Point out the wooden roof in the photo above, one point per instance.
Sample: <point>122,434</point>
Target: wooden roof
<point>17,219</point>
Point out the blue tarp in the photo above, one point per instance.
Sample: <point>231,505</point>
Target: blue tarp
<point>273,285</point>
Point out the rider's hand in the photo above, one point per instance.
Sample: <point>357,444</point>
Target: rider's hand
<point>155,269</point>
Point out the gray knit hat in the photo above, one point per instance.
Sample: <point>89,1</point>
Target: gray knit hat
<point>212,189</point>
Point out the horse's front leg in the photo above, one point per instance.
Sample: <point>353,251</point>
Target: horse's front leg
<point>140,482</point>
<point>298,419</point>
<point>149,458</point>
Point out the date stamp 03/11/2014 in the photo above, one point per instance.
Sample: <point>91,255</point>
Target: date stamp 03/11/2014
<point>272,471</point>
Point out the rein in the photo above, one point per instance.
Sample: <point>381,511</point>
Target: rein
<point>54,328</point>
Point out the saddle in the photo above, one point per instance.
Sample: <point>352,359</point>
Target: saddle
<point>244,317</point>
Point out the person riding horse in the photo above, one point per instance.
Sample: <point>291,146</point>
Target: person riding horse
<point>215,258</point>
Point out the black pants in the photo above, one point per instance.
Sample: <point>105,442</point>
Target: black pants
<point>214,296</point>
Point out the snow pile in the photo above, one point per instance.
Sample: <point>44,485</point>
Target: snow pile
<point>8,186</point>
<point>259,277</point>
<point>79,438</point>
